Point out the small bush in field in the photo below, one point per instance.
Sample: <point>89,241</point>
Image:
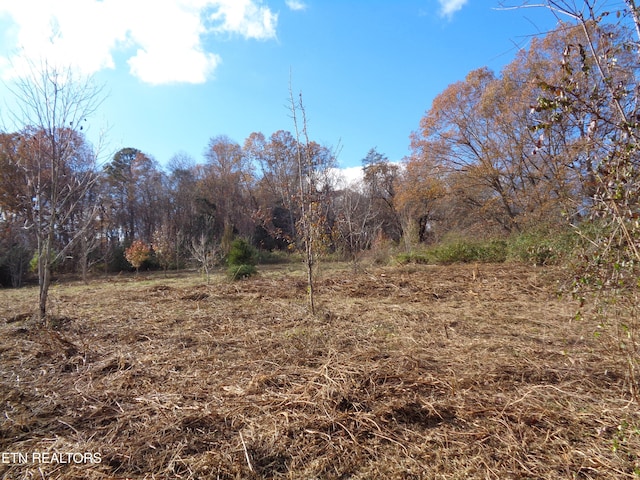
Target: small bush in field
<point>459,251</point>
<point>137,253</point>
<point>493,251</point>
<point>241,260</point>
<point>237,272</point>
<point>542,248</point>
<point>413,257</point>
<point>241,252</point>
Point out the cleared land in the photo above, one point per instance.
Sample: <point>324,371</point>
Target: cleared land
<point>407,372</point>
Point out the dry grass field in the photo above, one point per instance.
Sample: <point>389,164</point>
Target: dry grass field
<point>412,372</point>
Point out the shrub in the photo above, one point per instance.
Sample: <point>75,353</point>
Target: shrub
<point>33,263</point>
<point>241,260</point>
<point>458,251</point>
<point>493,251</point>
<point>538,248</point>
<point>542,248</point>
<point>237,272</point>
<point>381,249</point>
<point>241,252</point>
<point>413,257</point>
<point>137,253</point>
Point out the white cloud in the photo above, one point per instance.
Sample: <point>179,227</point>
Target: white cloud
<point>166,36</point>
<point>246,17</point>
<point>347,176</point>
<point>449,7</point>
<point>296,5</point>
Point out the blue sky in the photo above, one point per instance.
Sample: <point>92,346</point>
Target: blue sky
<point>178,72</point>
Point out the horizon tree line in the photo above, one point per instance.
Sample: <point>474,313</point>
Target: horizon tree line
<point>495,154</point>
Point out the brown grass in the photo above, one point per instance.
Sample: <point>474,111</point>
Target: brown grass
<point>408,373</point>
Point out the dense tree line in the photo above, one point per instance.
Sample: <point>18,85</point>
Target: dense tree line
<point>497,153</point>
<point>494,154</point>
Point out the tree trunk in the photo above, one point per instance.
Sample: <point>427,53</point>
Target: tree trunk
<point>85,269</point>
<point>44,276</point>
<point>310,265</point>
<point>45,281</point>
<point>84,247</point>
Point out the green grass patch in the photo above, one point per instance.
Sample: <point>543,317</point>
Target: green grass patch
<point>465,251</point>
<point>458,251</point>
<point>543,247</point>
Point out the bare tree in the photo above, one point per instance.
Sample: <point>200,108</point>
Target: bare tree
<point>53,105</point>
<point>227,182</point>
<point>379,182</point>
<point>357,220</point>
<point>304,198</point>
<point>277,161</point>
<point>206,253</point>
<point>313,162</point>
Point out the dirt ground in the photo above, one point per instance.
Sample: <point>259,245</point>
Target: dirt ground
<point>411,372</point>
